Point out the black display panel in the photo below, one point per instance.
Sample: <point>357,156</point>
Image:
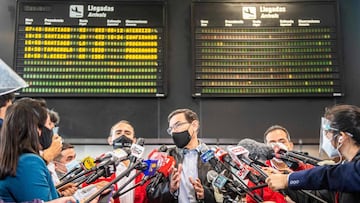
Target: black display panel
<point>270,49</point>
<point>91,48</point>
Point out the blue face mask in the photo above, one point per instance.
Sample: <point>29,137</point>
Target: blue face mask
<point>72,164</point>
<point>329,149</point>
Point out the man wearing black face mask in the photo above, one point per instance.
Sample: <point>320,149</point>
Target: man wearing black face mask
<point>187,182</point>
<point>122,136</point>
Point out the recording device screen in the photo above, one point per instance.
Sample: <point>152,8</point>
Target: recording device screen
<point>91,48</point>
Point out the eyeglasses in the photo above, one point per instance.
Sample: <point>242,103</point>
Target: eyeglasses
<point>176,126</point>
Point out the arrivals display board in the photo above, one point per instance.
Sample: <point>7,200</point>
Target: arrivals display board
<point>91,48</point>
<point>266,49</point>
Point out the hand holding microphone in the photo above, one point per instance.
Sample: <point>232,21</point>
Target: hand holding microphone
<point>277,181</point>
<point>55,148</point>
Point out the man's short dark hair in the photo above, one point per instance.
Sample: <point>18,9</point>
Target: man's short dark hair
<point>190,115</point>
<point>276,127</point>
<point>65,146</point>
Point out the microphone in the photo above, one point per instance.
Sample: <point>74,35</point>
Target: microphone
<point>224,157</point>
<point>241,154</point>
<point>224,184</point>
<point>208,155</point>
<point>86,164</point>
<point>261,151</point>
<point>163,171</point>
<point>163,148</point>
<point>304,158</point>
<point>147,167</point>
<point>137,150</point>
<point>104,170</point>
<point>151,166</point>
<point>119,177</point>
<point>257,150</point>
<point>242,171</point>
<point>293,164</point>
<point>102,158</point>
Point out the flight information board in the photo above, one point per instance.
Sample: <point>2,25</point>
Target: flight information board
<point>91,48</point>
<point>270,49</point>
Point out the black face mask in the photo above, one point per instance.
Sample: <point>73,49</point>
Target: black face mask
<point>46,137</point>
<point>181,139</point>
<point>122,142</point>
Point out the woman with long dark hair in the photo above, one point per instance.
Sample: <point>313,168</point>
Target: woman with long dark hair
<point>23,173</point>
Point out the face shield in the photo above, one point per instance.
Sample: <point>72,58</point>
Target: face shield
<point>327,135</point>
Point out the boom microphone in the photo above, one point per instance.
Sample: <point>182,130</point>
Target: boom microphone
<point>257,150</point>
<point>293,164</point>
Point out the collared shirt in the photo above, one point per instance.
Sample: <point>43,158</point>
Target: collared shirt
<point>189,169</point>
<point>55,178</point>
<point>129,196</point>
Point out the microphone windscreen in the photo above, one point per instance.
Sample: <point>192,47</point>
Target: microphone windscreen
<point>256,149</point>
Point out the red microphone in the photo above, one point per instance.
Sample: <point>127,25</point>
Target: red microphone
<point>167,162</point>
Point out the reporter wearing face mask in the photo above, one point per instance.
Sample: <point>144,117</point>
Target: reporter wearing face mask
<point>340,136</point>
<point>65,161</point>
<point>23,173</point>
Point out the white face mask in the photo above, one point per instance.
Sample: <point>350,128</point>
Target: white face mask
<point>325,142</point>
<point>279,145</point>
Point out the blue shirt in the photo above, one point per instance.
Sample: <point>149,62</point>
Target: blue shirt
<point>32,181</point>
<point>189,169</point>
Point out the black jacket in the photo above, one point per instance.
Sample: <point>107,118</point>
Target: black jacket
<point>160,193</point>
<point>349,197</point>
